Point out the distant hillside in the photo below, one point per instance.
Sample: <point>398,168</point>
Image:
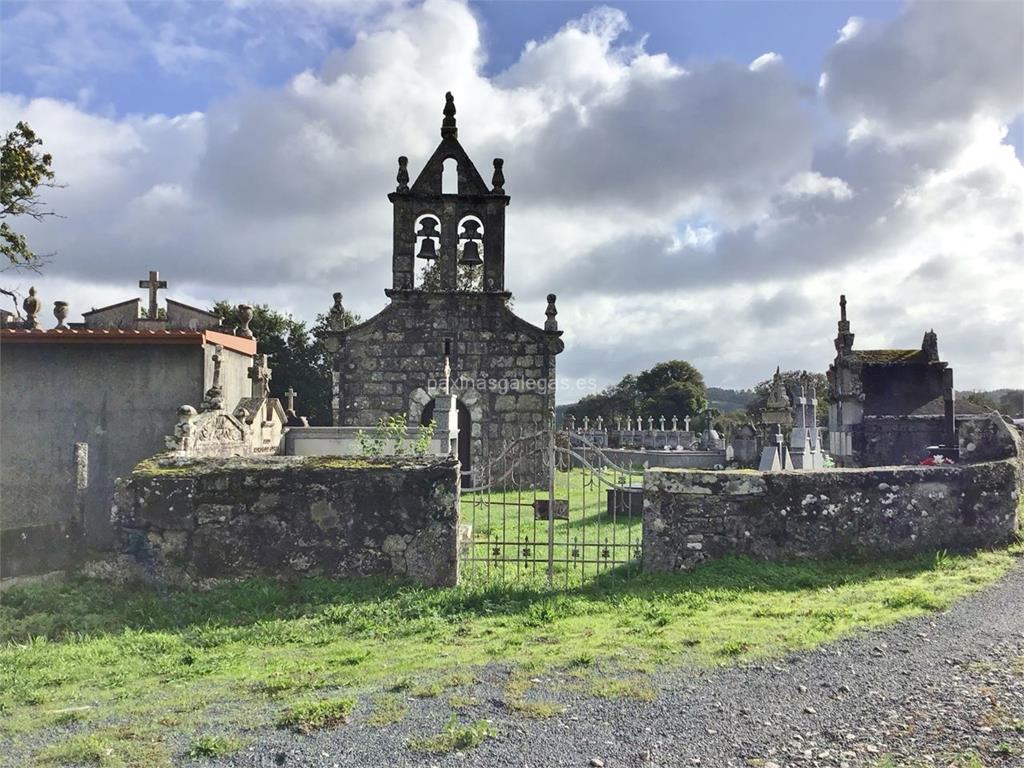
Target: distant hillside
<point>730,400</point>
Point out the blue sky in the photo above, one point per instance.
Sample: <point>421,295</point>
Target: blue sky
<point>800,31</point>
<point>685,194</point>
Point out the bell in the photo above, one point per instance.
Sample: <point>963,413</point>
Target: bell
<point>471,254</point>
<point>427,250</point>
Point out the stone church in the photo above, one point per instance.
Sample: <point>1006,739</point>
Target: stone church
<point>451,315</point>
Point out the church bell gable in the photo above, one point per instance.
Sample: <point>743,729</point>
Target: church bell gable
<point>449,241</point>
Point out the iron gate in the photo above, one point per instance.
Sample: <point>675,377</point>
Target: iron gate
<point>516,532</point>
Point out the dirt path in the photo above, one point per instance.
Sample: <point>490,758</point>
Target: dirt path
<point>936,691</point>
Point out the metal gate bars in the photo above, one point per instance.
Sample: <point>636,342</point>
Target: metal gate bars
<point>551,506</point>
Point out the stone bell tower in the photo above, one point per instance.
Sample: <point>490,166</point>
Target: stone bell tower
<point>448,328</point>
<point>457,235</point>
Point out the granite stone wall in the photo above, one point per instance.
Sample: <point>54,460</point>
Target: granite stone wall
<point>692,516</point>
<point>503,368</point>
<point>292,515</point>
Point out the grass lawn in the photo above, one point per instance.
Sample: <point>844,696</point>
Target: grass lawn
<point>101,675</point>
<point>510,543</point>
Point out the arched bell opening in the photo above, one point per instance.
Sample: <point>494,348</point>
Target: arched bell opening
<point>465,434</point>
<point>427,229</point>
<point>471,254</point>
<point>450,177</point>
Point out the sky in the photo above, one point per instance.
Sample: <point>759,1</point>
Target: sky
<point>694,180</point>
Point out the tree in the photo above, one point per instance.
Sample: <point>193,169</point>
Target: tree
<point>793,380</point>
<point>982,399</point>
<point>297,356</point>
<point>23,171</point>
<point>673,388</point>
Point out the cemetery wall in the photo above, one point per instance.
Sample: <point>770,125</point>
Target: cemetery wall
<point>888,440</point>
<point>502,366</point>
<point>292,515</point>
<point>118,400</point>
<point>692,516</point>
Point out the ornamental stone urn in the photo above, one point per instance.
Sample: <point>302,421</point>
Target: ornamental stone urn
<point>60,311</point>
<point>244,317</point>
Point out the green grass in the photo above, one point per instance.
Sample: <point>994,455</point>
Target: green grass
<point>213,746</point>
<point>387,708</point>
<point>151,671</point>
<point>314,715</point>
<point>454,737</point>
<point>509,541</point>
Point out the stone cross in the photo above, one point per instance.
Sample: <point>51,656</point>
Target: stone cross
<point>639,423</point>
<point>572,423</point>
<point>686,423</point>
<point>618,423</point>
<point>675,423</point>
<point>290,394</point>
<point>600,423</point>
<point>661,423</point>
<point>586,423</point>
<point>259,372</point>
<point>154,283</point>
<point>650,423</point>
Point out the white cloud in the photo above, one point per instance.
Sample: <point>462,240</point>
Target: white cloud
<point>764,60</point>
<point>678,211</point>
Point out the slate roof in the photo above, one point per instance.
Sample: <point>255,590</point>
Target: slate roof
<point>892,356</point>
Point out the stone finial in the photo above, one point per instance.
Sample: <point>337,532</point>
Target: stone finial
<point>498,179</point>
<point>60,311</point>
<point>551,324</point>
<point>154,284</point>
<point>930,345</point>
<point>403,174</point>
<point>448,127</point>
<point>844,339</point>
<point>245,314</point>
<point>31,305</point>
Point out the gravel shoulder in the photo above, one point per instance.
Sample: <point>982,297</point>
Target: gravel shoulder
<point>945,689</point>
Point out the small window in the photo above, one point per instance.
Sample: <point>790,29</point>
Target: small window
<point>450,177</point>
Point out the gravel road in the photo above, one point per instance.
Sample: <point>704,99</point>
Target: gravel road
<point>929,691</point>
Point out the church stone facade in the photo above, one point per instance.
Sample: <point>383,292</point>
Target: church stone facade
<point>450,325</point>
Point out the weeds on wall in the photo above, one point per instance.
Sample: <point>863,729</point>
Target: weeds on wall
<point>390,431</point>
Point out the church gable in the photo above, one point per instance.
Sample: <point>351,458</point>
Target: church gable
<point>429,182</point>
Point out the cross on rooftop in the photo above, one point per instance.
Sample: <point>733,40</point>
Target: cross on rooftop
<point>290,394</point>
<point>154,283</point>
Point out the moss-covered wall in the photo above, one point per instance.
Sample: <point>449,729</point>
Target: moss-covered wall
<point>692,516</point>
<point>292,515</point>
